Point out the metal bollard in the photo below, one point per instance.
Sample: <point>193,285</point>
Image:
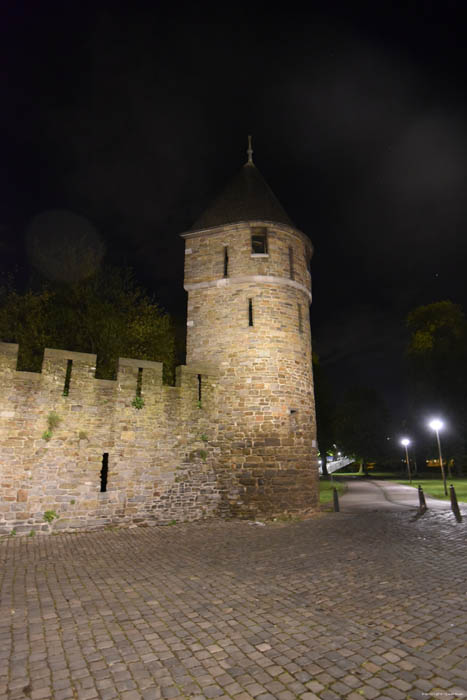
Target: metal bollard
<point>421,499</point>
<point>335,498</point>
<point>454,504</point>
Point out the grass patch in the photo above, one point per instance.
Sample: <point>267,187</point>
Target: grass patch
<point>435,488</point>
<point>372,474</point>
<point>325,490</point>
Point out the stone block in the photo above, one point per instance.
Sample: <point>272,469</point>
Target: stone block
<point>69,524</point>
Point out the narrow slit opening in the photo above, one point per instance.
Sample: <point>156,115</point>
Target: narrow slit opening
<point>250,312</point>
<point>104,471</point>
<point>291,264</point>
<point>199,390</point>
<point>139,382</point>
<point>226,261</point>
<point>293,413</point>
<point>300,319</point>
<point>66,387</point>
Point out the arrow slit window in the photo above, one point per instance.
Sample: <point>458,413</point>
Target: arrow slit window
<point>291,264</point>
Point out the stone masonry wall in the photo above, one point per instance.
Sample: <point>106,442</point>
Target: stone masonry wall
<point>268,429</point>
<point>160,458</point>
<point>236,436</point>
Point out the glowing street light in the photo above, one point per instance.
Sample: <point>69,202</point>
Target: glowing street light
<point>406,443</point>
<point>438,425</point>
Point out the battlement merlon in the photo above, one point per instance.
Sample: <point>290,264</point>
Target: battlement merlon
<point>55,359</point>
<point>8,356</point>
<point>128,372</point>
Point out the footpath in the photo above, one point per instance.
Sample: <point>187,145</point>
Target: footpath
<point>376,495</point>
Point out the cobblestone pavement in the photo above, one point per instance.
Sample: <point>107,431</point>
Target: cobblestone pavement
<point>370,605</point>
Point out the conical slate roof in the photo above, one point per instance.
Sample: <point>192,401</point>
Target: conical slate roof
<point>247,197</point>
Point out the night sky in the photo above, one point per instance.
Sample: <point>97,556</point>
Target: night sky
<point>135,115</point>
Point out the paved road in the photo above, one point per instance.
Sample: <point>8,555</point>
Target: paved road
<point>370,605</point>
<point>365,495</point>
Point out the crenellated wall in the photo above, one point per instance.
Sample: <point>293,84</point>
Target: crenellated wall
<point>233,438</point>
<point>160,457</point>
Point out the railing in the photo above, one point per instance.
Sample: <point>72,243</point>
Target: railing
<point>336,464</point>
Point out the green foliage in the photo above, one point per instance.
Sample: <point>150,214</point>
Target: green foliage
<point>13,532</point>
<point>83,435</point>
<point>53,419</point>
<point>32,533</point>
<point>138,402</point>
<point>326,490</point>
<point>435,488</point>
<point>50,515</point>
<point>197,454</point>
<point>204,437</point>
<point>199,404</point>
<point>24,319</point>
<point>172,522</point>
<point>72,501</point>
<point>437,349</point>
<point>107,314</point>
<point>435,326</point>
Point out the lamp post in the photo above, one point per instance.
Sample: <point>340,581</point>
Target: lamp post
<point>406,443</point>
<point>437,425</point>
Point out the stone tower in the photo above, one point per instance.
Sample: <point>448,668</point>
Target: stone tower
<point>247,274</point>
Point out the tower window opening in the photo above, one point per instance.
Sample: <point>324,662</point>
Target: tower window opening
<point>250,312</point>
<point>66,386</point>
<point>300,319</point>
<point>104,471</point>
<point>139,382</point>
<point>259,241</point>
<point>291,265</point>
<point>226,261</point>
<point>199,390</point>
<point>293,414</point>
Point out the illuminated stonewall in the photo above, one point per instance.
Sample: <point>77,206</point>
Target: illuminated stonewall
<point>236,436</point>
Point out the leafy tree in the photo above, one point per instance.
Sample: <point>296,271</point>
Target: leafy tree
<point>437,357</point>
<point>361,425</point>
<point>107,314</point>
<point>437,349</point>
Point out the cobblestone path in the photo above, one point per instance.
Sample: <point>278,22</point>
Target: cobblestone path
<point>370,605</point>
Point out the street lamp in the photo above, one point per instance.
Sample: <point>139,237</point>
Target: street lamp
<point>437,425</point>
<point>406,443</point>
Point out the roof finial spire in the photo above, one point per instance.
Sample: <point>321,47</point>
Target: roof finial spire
<point>250,151</point>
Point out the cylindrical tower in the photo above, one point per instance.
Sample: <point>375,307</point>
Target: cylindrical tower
<point>249,288</point>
